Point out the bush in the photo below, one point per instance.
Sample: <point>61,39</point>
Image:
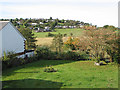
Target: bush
<point>50,35</point>
<point>50,69</point>
<point>12,63</point>
<point>65,35</point>
<point>69,55</point>
<point>44,53</point>
<point>83,56</point>
<point>11,60</point>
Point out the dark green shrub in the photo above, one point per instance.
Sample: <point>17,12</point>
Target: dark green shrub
<point>14,62</point>
<point>11,63</point>
<point>50,35</point>
<point>69,55</point>
<point>116,58</point>
<point>65,35</point>
<point>31,59</point>
<point>83,56</point>
<point>44,53</point>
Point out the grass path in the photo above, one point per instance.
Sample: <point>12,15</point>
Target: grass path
<point>71,74</point>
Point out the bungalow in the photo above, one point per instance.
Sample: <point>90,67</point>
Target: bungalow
<point>11,40</point>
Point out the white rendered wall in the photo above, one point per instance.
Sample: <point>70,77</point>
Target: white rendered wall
<point>11,40</point>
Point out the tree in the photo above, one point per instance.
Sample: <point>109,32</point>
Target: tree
<point>69,43</point>
<point>16,19</point>
<point>50,18</point>
<point>109,27</point>
<point>30,39</point>
<point>72,43</point>
<point>100,42</point>
<point>62,21</point>
<point>105,26</point>
<point>58,42</point>
<point>53,24</point>
<point>11,20</point>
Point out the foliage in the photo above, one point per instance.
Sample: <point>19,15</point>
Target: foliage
<point>8,56</point>
<point>109,27</point>
<point>11,60</point>
<point>99,42</point>
<point>44,53</point>
<point>29,36</point>
<point>53,24</point>
<point>72,43</point>
<point>50,69</point>
<point>4,58</point>
<point>58,42</point>
<point>14,62</point>
<point>50,35</point>
<point>70,55</point>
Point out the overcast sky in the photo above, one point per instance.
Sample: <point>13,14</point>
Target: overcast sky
<point>97,12</point>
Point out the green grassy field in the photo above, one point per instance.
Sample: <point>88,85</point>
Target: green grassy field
<point>71,74</point>
<point>76,32</point>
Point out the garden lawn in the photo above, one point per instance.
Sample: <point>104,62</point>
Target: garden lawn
<point>75,32</point>
<point>71,74</point>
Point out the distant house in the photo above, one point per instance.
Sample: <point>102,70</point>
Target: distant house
<point>38,29</point>
<point>41,23</point>
<point>33,24</point>
<point>72,26</point>
<point>19,23</point>
<point>11,40</point>
<point>47,29</point>
<point>58,27</point>
<point>64,26</point>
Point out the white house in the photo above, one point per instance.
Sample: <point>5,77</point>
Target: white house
<point>33,24</point>
<point>41,23</point>
<point>47,29</point>
<point>11,40</point>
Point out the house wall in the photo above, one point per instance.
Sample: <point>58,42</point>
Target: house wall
<point>12,41</point>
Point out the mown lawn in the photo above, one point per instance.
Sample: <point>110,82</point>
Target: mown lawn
<point>75,32</point>
<point>71,74</point>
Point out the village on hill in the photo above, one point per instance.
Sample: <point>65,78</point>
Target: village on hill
<point>44,25</point>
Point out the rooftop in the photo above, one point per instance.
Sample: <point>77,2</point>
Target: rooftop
<point>3,24</point>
